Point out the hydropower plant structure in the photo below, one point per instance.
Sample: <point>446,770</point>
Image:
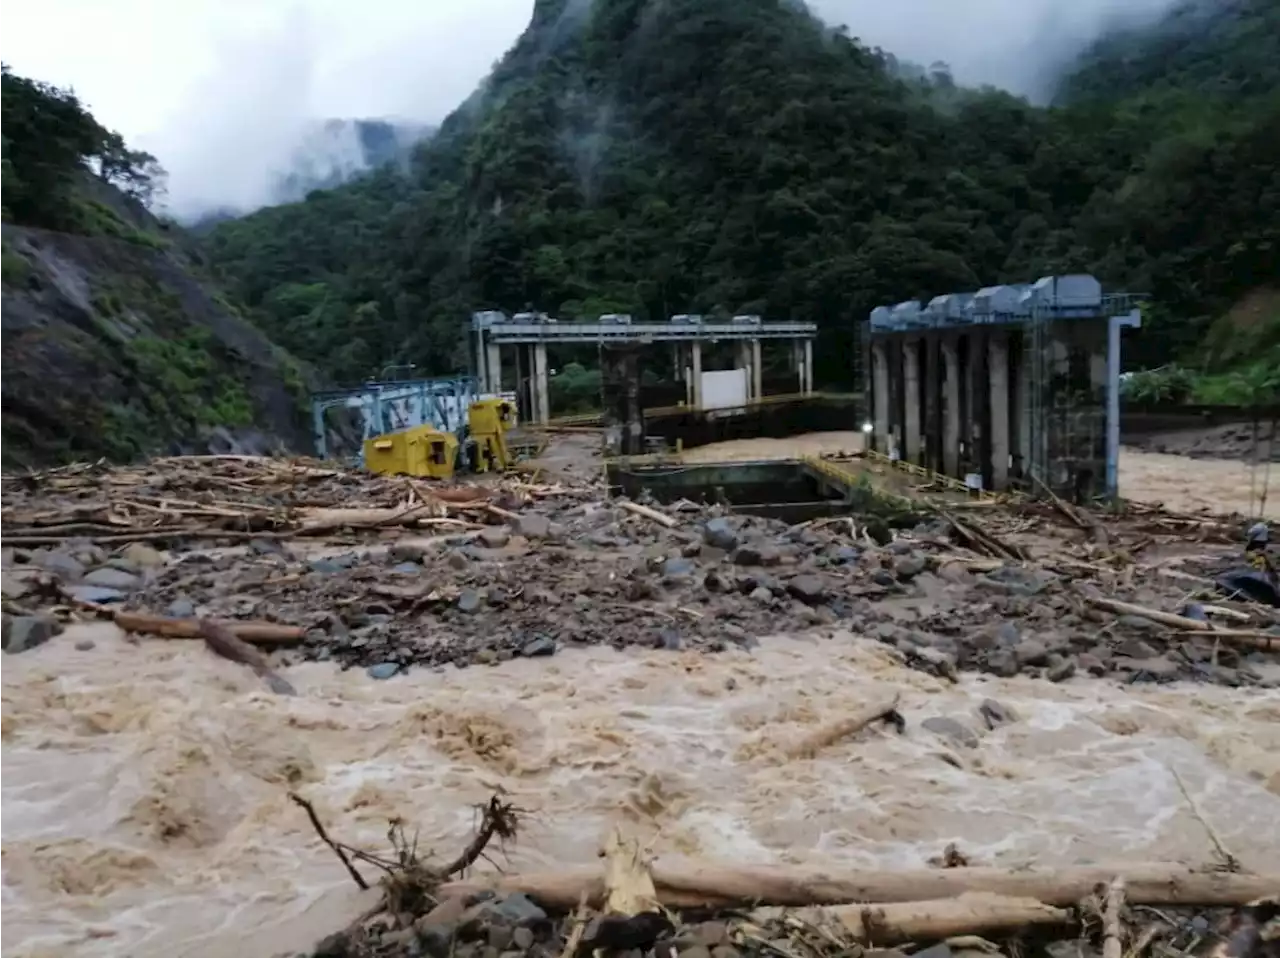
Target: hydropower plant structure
<point>1014,383</point>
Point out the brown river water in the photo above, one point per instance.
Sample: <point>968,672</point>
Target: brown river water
<point>145,808</point>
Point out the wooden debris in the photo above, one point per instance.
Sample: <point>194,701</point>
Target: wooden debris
<point>974,913</point>
<point>1112,925</point>
<point>653,515</point>
<point>693,884</point>
<point>809,746</point>
<point>257,633</point>
<point>225,643</point>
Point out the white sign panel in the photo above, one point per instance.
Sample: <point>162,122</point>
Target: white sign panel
<point>724,389</point>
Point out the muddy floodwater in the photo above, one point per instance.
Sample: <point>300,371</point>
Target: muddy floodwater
<point>145,784</point>
<point>1179,483</point>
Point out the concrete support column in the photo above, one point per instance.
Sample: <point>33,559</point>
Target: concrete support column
<point>541,389</point>
<point>1022,416</point>
<point>756,386</point>
<point>806,368</point>
<point>678,362</point>
<point>695,376</point>
<point>912,411</point>
<point>742,360</point>
<point>492,379</point>
<point>998,376</point>
<point>880,393</point>
<point>481,362</point>
<point>951,408</point>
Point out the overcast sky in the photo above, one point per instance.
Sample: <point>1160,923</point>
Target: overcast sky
<point>219,89</point>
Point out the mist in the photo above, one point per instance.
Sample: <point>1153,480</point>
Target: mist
<point>251,116</point>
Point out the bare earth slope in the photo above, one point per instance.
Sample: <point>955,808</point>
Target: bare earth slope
<point>116,348</point>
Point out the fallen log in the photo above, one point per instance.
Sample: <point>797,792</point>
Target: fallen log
<point>330,520</point>
<point>1153,615</point>
<point>684,884</point>
<point>257,633</point>
<point>812,744</point>
<point>897,922</point>
<point>225,643</point>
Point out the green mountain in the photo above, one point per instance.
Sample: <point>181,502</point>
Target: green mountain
<point>682,156</point>
<point>116,342</point>
<point>662,157</point>
<point>1195,218</point>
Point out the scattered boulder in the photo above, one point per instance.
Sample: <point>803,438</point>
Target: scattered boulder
<point>1031,652</point>
<point>96,595</point>
<point>181,609</point>
<point>907,567</point>
<point>493,537</point>
<point>809,589</point>
<point>678,568</point>
<point>719,534</point>
<point>66,567</point>
<point>469,601</point>
<point>541,646</point>
<point>953,731</point>
<point>382,670</point>
<point>1060,668</point>
<point>533,527</point>
<point>996,713</point>
<point>23,632</point>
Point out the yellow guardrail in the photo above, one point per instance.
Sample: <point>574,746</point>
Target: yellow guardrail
<point>931,475</point>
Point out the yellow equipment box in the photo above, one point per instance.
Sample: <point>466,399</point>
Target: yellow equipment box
<point>420,451</point>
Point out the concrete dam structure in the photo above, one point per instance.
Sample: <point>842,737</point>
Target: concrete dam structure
<point>1015,385</point>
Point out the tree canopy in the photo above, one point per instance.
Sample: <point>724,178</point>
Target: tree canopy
<point>50,142</point>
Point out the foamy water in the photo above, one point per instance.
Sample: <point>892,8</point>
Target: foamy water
<point>145,785</point>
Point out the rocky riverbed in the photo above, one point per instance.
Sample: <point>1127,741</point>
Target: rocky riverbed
<point>576,569</point>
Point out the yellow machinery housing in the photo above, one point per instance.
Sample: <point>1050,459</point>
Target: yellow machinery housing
<point>488,421</point>
<point>428,451</point>
<point>419,451</point>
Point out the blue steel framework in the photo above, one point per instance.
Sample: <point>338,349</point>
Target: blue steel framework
<point>396,404</point>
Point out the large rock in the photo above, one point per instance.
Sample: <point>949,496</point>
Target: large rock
<point>142,555</point>
<point>719,534</point>
<point>533,526</point>
<point>809,589</point>
<point>109,578</point>
<point>953,731</point>
<point>66,567</point>
<point>22,632</point>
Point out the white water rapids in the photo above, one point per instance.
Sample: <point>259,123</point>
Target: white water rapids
<point>145,784</point>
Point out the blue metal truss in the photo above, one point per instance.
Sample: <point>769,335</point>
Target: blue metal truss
<point>397,404</point>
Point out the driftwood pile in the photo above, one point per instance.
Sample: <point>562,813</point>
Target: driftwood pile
<point>239,498</point>
<point>631,905</point>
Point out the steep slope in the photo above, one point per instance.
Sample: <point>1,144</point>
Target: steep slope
<point>113,342</point>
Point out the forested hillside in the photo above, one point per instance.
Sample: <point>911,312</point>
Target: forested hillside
<point>683,155</point>
<point>115,343</point>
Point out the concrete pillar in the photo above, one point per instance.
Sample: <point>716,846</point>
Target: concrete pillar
<point>678,362</point>
<point>932,402</point>
<point>757,372</point>
<point>541,389</point>
<point>998,376</point>
<point>492,380</point>
<point>695,375</point>
<point>742,360</point>
<point>1022,416</point>
<point>806,376</point>
<point>880,393</point>
<point>481,362</point>
<point>912,412</point>
<point>951,408</point>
